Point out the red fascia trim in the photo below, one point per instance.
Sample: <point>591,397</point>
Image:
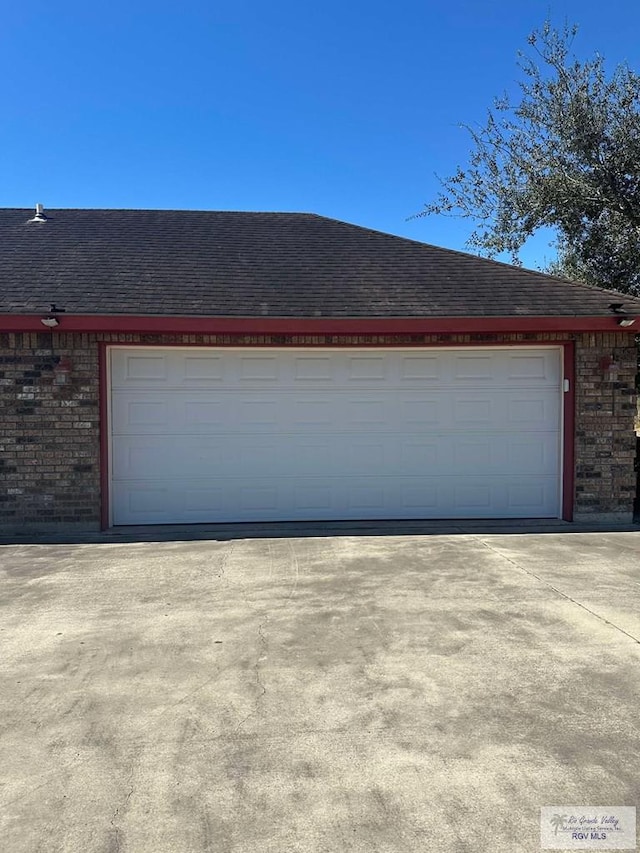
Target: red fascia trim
<point>311,325</point>
<point>103,386</point>
<point>568,438</point>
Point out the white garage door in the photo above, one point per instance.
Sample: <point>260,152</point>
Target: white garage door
<point>202,435</point>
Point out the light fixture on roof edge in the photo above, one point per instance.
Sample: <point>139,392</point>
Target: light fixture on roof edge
<point>51,321</point>
<point>626,321</point>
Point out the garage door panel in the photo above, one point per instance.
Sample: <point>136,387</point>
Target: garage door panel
<point>144,368</point>
<point>259,497</point>
<point>515,369</point>
<point>161,413</point>
<point>313,497</point>
<point>524,454</point>
<point>206,498</point>
<point>147,458</point>
<point>531,496</point>
<point>138,504</point>
<point>140,367</point>
<point>526,369</point>
<point>307,456</point>
<point>475,367</point>
<point>423,369</point>
<point>530,499</point>
<point>475,452</point>
<point>418,499</point>
<point>259,414</point>
<point>313,414</point>
<point>358,457</point>
<point>473,498</point>
<point>420,412</point>
<point>202,415</point>
<point>502,410</point>
<point>228,435</point>
<point>200,369</point>
<point>133,413</point>
<point>535,410</point>
<point>368,368</point>
<point>259,368</point>
<point>260,500</point>
<point>497,497</point>
<point>145,415</point>
<point>365,413</point>
<point>429,454</point>
<point>148,500</point>
<point>366,498</point>
<point>312,369</point>
<point>532,454</point>
<point>139,457</point>
<point>471,413</point>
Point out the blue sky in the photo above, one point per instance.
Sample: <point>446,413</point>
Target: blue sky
<point>347,109</point>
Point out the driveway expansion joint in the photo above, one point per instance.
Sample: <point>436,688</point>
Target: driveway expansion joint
<point>556,590</point>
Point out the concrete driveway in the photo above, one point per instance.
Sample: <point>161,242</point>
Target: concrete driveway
<point>348,693</point>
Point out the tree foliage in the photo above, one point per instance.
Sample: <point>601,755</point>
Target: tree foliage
<point>566,156</point>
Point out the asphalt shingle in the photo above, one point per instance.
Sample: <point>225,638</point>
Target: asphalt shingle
<point>236,264</point>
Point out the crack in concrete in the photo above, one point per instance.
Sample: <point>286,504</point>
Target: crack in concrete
<point>223,575</point>
<point>223,562</point>
<point>115,815</point>
<point>256,669</point>
<point>263,644</point>
<point>555,589</point>
<point>296,570</point>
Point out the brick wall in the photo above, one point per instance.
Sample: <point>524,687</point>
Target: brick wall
<point>605,437</point>
<point>49,439</point>
<point>50,433</point>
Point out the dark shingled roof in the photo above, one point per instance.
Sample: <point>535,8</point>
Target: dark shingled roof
<point>216,263</point>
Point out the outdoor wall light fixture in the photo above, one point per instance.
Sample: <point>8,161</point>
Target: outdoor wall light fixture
<point>50,322</point>
<point>618,308</point>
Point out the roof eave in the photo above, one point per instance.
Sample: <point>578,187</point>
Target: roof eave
<point>315,325</point>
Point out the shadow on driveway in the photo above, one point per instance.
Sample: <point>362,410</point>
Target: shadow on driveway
<point>305,529</point>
